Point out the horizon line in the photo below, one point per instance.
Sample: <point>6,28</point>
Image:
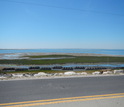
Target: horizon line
<point>53,48</point>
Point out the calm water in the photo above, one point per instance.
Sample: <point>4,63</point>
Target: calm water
<point>96,51</point>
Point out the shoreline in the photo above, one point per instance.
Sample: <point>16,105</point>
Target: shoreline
<point>26,56</point>
<point>22,55</point>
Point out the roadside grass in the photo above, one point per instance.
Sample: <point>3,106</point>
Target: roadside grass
<point>75,60</point>
<point>34,71</point>
<point>45,71</point>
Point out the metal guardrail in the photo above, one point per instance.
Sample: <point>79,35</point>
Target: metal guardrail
<point>60,68</point>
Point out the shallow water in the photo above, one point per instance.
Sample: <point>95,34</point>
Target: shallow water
<point>95,51</point>
<point>50,58</point>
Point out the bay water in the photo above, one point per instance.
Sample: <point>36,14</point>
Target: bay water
<point>94,51</point>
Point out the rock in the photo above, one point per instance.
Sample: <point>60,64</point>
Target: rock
<point>84,73</point>
<point>118,71</point>
<point>96,73</point>
<point>6,75</point>
<point>2,77</point>
<point>70,73</point>
<point>27,75</point>
<point>109,72</point>
<point>58,74</point>
<point>40,74</point>
<point>105,72</point>
<point>78,73</point>
<point>17,75</point>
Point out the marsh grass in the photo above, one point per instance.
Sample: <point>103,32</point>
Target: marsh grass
<point>75,60</point>
<point>49,56</point>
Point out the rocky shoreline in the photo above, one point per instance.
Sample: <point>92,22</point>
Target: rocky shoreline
<point>67,74</point>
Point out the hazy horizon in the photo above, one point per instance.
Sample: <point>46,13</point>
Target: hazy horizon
<point>54,48</point>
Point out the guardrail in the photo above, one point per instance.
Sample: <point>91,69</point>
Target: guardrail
<point>59,68</point>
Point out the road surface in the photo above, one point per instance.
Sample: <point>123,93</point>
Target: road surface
<point>55,89</point>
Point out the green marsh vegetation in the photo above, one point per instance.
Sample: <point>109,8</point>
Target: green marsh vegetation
<point>68,59</point>
<point>34,71</point>
<point>50,56</point>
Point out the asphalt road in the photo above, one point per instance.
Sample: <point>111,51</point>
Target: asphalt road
<point>118,102</point>
<point>30,90</point>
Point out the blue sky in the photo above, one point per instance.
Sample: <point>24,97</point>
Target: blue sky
<point>92,24</point>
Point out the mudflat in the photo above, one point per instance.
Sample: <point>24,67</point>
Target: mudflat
<point>25,55</point>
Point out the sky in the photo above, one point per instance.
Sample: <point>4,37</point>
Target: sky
<point>47,24</point>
